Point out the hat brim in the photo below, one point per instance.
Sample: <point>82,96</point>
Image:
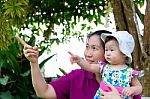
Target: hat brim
<point>105,35</point>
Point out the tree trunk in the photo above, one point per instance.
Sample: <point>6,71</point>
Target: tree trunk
<point>146,43</point>
<point>119,15</point>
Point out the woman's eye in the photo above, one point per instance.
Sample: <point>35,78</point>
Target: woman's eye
<point>87,47</point>
<point>94,48</point>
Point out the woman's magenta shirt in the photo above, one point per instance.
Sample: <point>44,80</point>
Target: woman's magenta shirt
<point>78,84</point>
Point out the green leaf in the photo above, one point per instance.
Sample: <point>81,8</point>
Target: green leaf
<point>62,71</point>
<point>5,95</point>
<point>1,63</point>
<point>26,73</point>
<point>4,80</point>
<point>44,61</point>
<point>83,26</point>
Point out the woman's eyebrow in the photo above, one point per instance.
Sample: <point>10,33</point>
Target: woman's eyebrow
<point>99,46</point>
<point>93,45</point>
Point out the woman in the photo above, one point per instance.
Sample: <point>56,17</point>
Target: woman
<point>78,84</point>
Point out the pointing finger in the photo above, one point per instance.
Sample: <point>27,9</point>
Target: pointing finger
<point>71,53</point>
<point>21,40</point>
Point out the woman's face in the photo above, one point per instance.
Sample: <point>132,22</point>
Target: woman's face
<point>94,51</point>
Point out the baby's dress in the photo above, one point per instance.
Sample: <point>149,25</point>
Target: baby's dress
<point>118,78</point>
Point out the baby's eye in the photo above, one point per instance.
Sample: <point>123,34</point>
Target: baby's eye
<point>112,49</point>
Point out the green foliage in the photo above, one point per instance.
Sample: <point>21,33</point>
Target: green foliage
<point>140,2</point>
<point>15,74</point>
<point>62,71</point>
<point>4,80</point>
<point>12,14</point>
<point>44,61</point>
<point>5,35</point>
<point>5,95</point>
<point>22,14</point>
<point>15,10</point>
<point>67,14</point>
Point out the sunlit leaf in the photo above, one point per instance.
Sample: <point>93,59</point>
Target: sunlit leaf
<point>4,80</point>
<point>26,73</point>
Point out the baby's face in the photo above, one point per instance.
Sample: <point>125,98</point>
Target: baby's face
<point>113,54</point>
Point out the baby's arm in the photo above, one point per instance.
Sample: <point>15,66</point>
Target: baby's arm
<point>135,89</point>
<point>95,68</point>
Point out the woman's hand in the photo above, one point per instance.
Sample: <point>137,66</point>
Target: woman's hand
<point>110,95</point>
<point>128,91</point>
<point>31,53</point>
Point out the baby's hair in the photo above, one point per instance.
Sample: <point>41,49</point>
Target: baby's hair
<point>108,38</point>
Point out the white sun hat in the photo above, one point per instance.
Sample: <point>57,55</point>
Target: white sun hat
<point>125,40</point>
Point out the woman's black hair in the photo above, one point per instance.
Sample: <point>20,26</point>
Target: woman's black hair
<point>98,33</point>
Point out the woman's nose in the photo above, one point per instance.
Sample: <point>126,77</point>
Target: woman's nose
<point>88,53</point>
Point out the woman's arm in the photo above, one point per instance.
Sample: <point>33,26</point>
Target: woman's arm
<point>136,85</point>
<point>41,88</point>
<point>135,89</point>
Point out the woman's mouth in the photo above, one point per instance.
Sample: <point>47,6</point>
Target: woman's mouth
<point>90,61</point>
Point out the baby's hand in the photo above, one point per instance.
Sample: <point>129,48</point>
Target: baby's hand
<point>128,91</point>
<point>74,58</point>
